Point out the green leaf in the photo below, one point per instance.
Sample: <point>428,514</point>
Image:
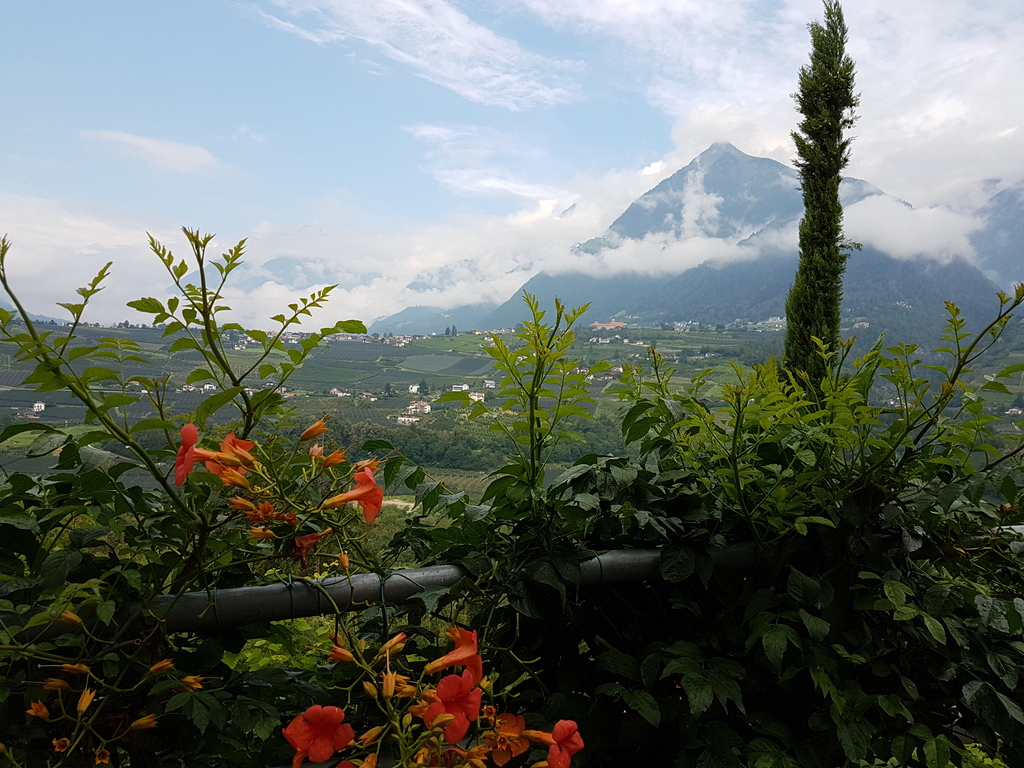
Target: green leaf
<point>775,639</point>
<point>936,752</point>
<point>148,305</point>
<point>817,627</point>
<point>18,519</point>
<point>992,612</point>
<point>619,663</point>
<point>699,694</point>
<point>644,704</point>
<point>896,592</point>
<point>808,458</point>
<point>677,563</point>
<point>81,538</point>
<point>935,628</point>
<point>57,566</point>
<point>17,429</point>
<point>650,667</point>
<point>543,572</point>
<point>199,712</point>
<point>940,601</point>
<point>815,520</point>
<point>183,342</point>
<point>146,425</point>
<point>199,374</point>
<point>568,567</point>
<point>855,736</point>
<point>105,611</point>
<point>803,588</point>
<point>345,326</point>
<point>609,689</point>
<point>46,444</point>
<point>210,405</point>
<point>1004,667</point>
<point>995,386</point>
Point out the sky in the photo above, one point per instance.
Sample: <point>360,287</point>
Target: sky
<point>435,152</point>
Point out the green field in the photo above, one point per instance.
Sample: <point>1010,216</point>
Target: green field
<point>439,362</point>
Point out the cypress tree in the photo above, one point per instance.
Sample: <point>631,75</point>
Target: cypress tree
<point>826,100</point>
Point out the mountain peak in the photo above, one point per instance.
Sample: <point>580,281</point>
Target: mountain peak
<point>722,193</point>
<point>718,149</point>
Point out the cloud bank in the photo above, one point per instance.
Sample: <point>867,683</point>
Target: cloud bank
<point>161,154</point>
<point>440,43</point>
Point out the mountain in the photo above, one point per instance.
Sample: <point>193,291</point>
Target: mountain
<point>4,304</point>
<point>717,242</point>
<point>1001,239</point>
<point>426,320</point>
<point>732,220</point>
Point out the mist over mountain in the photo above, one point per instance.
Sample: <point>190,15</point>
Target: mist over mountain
<point>716,242</point>
<point>430,320</point>
<point>1001,239</point>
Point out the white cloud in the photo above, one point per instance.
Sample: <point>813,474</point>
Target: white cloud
<point>441,44</point>
<point>57,247</point>
<point>247,135</point>
<point>937,80</point>
<point>654,168</point>
<point>473,159</point>
<point>160,153</point>
<point>906,233</point>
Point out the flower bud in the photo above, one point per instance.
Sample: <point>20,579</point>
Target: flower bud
<point>241,504</point>
<point>442,721</point>
<point>315,429</point>
<point>192,682</point>
<point>392,646</point>
<point>232,478</point>
<point>335,458</point>
<point>371,735</point>
<point>387,686</point>
<point>85,700</point>
<point>343,559</point>
<point>370,688</point>
<point>144,722</point>
<point>69,617</point>
<point>338,653</point>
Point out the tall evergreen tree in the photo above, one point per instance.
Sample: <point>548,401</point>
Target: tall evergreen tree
<point>826,100</point>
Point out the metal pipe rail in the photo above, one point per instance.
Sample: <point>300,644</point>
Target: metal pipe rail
<point>224,608</point>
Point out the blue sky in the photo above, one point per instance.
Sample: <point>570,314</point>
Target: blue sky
<point>435,144</point>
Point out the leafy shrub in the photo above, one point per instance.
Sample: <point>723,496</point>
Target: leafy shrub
<point>838,582</point>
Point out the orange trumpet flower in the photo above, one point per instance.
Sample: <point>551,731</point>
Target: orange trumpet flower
<point>367,494</point>
<point>315,429</point>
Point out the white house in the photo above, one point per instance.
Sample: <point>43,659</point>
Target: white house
<point>476,397</point>
<point>460,387</point>
<point>38,406</point>
<point>408,418</point>
<point>488,384</point>
<point>419,406</point>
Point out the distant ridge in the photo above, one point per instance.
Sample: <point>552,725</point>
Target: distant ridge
<point>727,202</point>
